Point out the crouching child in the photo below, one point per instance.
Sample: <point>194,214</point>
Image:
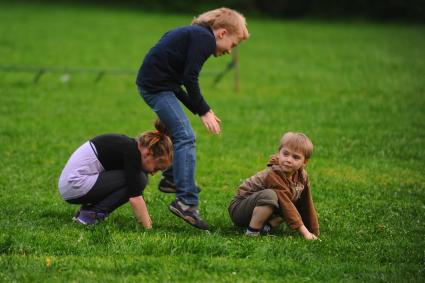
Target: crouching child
<point>279,193</point>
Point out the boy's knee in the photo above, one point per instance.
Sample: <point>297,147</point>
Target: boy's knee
<point>267,197</point>
<point>184,138</point>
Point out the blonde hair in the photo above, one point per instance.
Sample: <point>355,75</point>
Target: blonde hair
<point>159,142</point>
<point>226,18</point>
<point>297,142</point>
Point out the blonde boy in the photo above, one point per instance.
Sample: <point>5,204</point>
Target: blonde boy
<point>279,193</point>
<point>176,61</point>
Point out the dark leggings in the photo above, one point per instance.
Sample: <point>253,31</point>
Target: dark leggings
<point>108,193</point>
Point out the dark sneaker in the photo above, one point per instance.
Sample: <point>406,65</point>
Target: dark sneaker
<point>89,217</point>
<point>101,216</point>
<point>267,228</point>
<point>190,214</point>
<point>167,186</point>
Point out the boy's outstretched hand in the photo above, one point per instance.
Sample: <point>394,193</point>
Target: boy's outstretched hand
<point>211,122</point>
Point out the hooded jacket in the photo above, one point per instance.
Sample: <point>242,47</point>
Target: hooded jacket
<point>294,195</point>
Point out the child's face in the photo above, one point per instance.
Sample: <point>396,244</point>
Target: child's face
<point>150,164</point>
<point>291,160</point>
<point>225,42</point>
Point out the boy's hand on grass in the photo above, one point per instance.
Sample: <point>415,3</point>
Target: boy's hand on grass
<point>310,237</point>
<point>307,234</point>
<point>211,122</point>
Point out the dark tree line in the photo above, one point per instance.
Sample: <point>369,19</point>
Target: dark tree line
<point>408,10</point>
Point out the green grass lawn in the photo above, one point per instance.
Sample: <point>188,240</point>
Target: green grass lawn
<point>356,89</point>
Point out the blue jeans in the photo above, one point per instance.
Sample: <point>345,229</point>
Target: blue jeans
<point>167,107</point>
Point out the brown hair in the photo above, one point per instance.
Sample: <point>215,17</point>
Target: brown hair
<point>159,142</point>
<point>297,142</point>
<point>224,18</point>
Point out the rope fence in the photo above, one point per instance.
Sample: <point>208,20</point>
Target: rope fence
<point>100,73</point>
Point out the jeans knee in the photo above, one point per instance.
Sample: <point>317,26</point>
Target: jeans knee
<point>184,139</point>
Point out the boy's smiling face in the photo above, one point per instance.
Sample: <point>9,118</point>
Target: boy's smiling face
<point>291,160</point>
<point>225,42</point>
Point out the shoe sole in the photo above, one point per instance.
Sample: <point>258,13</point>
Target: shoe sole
<point>170,190</point>
<point>167,190</point>
<point>79,221</point>
<point>186,218</point>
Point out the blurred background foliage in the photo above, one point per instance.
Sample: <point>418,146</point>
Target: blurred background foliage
<point>381,10</point>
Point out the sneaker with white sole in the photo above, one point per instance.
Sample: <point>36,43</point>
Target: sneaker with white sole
<point>188,213</point>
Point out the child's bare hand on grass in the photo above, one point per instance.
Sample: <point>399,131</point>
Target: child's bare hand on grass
<point>311,237</point>
<point>307,234</point>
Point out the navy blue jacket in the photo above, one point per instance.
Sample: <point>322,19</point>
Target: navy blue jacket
<point>176,60</point>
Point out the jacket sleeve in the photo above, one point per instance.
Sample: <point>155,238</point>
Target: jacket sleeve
<point>287,207</point>
<point>185,99</point>
<point>307,211</point>
<point>201,46</point>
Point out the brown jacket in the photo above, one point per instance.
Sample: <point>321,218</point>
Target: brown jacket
<point>294,196</point>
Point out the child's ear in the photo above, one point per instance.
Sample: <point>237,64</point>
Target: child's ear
<point>150,152</point>
<point>222,32</point>
<point>305,163</point>
<point>147,152</point>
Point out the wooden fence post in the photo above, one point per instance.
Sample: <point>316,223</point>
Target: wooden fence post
<point>235,55</point>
